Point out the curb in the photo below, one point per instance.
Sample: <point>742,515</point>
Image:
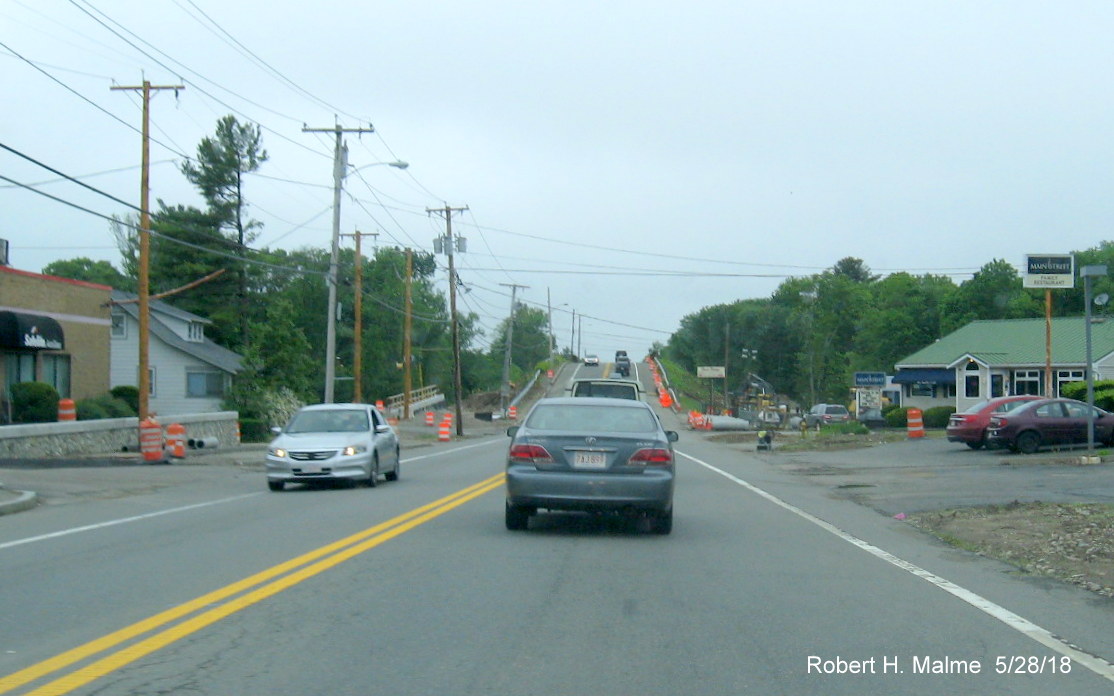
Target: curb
<point>23,500</point>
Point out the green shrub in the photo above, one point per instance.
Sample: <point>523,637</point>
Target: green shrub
<point>897,417</point>
<point>34,402</point>
<point>90,409</point>
<point>254,430</point>
<point>104,406</point>
<point>129,394</point>
<point>937,416</point>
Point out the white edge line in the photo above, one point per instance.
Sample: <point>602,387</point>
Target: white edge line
<point>112,523</point>
<point>1096,664</point>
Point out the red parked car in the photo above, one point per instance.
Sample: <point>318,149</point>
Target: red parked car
<point>1048,423</point>
<point>969,427</point>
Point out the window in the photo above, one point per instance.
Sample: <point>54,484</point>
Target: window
<point>922,389</point>
<point>56,373</point>
<point>1027,382</point>
<point>196,331</point>
<point>972,381</point>
<point>20,368</point>
<point>1067,376</point>
<point>202,384</point>
<point>119,325</point>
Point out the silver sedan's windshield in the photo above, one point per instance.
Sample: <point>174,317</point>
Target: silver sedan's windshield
<point>334,421</point>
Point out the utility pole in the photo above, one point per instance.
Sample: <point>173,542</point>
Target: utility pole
<point>407,324</point>
<point>449,246</point>
<point>549,316</point>
<point>340,164</point>
<point>144,289</point>
<point>504,390</point>
<point>358,309</point>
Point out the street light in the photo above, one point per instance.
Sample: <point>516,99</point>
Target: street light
<point>1089,272</point>
<point>331,322</point>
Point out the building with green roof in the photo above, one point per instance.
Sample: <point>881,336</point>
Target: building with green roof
<point>994,358</point>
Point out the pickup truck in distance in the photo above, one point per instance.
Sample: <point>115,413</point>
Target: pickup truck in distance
<point>622,364</point>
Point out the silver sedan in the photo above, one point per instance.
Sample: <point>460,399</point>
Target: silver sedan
<point>333,442</point>
<point>594,455</point>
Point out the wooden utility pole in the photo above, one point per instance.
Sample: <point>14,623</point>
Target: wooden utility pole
<point>449,247</point>
<point>145,246</point>
<point>358,309</point>
<point>504,390</point>
<point>407,382</point>
<point>340,163</point>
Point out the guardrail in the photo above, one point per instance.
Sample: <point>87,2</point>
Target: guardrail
<point>419,398</point>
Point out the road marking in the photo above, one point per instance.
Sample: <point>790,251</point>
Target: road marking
<point>1018,623</point>
<point>186,508</point>
<point>123,520</point>
<point>213,608</point>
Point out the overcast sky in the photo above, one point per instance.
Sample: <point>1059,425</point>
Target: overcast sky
<point>635,160</point>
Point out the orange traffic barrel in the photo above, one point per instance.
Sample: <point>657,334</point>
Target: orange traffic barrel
<point>915,420</point>
<point>429,418</point>
<point>512,412</point>
<point>176,440</point>
<point>239,439</point>
<point>444,430</point>
<point>66,410</point>
<point>150,440</point>
<point>379,404</point>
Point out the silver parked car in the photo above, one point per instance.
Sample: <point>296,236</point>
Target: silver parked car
<point>333,442</point>
<point>591,454</point>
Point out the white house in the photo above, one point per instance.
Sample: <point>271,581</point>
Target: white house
<point>188,372</point>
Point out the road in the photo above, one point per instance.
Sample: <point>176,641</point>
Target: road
<point>198,580</point>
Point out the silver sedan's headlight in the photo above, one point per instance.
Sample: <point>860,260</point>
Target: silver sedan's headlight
<point>277,452</point>
<point>353,449</point>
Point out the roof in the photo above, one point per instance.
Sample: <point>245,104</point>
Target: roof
<point>1016,342</point>
<point>205,351</point>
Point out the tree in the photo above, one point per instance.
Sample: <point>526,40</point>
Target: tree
<point>222,162</point>
<point>82,268</point>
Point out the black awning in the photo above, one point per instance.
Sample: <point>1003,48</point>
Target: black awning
<point>936,375</point>
<point>30,332</point>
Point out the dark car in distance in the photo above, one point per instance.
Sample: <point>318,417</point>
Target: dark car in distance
<point>1048,423</point>
<point>590,454</point>
<point>969,426</point>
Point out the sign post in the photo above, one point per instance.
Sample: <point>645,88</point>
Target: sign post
<point>1049,271</point>
<point>713,372</point>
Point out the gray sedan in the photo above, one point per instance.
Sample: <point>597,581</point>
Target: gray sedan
<point>591,454</point>
<point>333,442</point>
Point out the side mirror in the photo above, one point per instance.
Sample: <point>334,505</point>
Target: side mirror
<point>382,429</point>
<point>512,431</point>
<point>276,430</point>
<point>672,435</point>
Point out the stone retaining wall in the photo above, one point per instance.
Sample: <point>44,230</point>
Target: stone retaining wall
<point>109,435</point>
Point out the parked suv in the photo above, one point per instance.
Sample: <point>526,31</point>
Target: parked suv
<point>824,414</point>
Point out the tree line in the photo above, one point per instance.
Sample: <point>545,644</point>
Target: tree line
<point>813,333</point>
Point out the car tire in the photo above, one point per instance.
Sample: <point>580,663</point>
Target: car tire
<point>373,480</point>
<point>1028,442</point>
<point>662,523</point>
<point>517,517</point>
<point>975,445</point>
<point>392,475</point>
<point>276,486</point>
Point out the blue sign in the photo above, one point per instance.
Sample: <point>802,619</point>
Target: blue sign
<point>870,379</point>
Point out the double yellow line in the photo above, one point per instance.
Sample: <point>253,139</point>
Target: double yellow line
<point>266,584</point>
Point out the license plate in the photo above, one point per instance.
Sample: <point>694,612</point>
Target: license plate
<point>589,460</point>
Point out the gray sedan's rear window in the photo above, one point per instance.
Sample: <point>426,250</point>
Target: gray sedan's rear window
<point>594,419</point>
